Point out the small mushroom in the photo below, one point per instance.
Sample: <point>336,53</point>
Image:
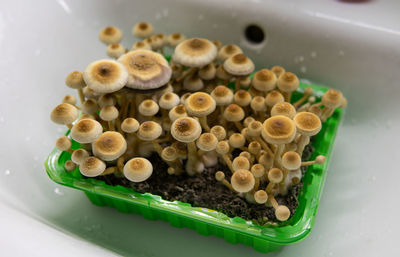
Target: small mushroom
<point>273,98</point>
<point>320,159</point>
<point>177,112</point>
<point>223,150</point>
<point>242,181</point>
<point>223,96</point>
<point>170,155</point>
<point>92,166</point>
<point>175,38</point>
<point>86,131</point>
<point>141,45</point>
<point>234,113</point>
<point>264,81</point>
<point>275,176</point>
<point>207,72</point>
<point>282,213</point>
<point>227,51</point>
<point>223,75</point>
<point>331,100</point>
<point>242,98</point>
<point>110,114</point>
<point>237,140</point>
<point>308,91</point>
<point>283,108</point>
<point>64,144</point>
<point>219,132</point>
<point>200,105</point>
<point>69,99</point>
<point>193,83</point>
<point>107,100</point>
<point>115,50</point>
<point>254,131</point>
<point>287,83</point>
<point>278,70</point>
<point>257,104</point>
<point>308,124</point>
<point>110,35</point>
<point>142,30</point>
<point>64,114</point>
<point>109,146</point>
<point>148,108</point>
<point>69,166</point>
<point>138,169</point>
<point>167,102</point>
<point>206,143</point>
<point>79,155</point>
<point>261,196</point>
<point>220,176</point>
<point>75,80</point>
<point>150,131</point>
<point>258,171</point>
<point>240,163</point>
<point>239,66</point>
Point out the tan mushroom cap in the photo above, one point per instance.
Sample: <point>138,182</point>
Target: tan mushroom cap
<point>222,95</point>
<point>185,129</point>
<point>307,123</point>
<point>141,45</point>
<point>219,132</point>
<point>278,70</point>
<point>207,142</point>
<point>195,52</point>
<point>130,125</point>
<point>69,99</point>
<point>227,51</point>
<point>63,143</point>
<point>175,38</point>
<point>254,147</point>
<point>146,69</point>
<point>254,128</point>
<point>320,159</point>
<point>69,165</point>
<point>278,130</point>
<point>115,50</point>
<point>105,76</point>
<point>273,98</point>
<point>207,72</point>
<point>275,175</point>
<point>283,108</point>
<point>110,35</point>
<point>181,149</point>
<point>258,170</point>
<point>149,130</point>
<point>332,98</point>
<point>79,155</point>
<point>240,163</point>
<point>233,113</point>
<point>258,103</point>
<point>148,107</point>
<point>237,140</point>
<point>200,104</point>
<point>247,121</point>
<point>282,213</point>
<point>242,181</point>
<point>64,114</point>
<point>288,82</point>
<point>75,80</point>
<point>193,83</point>
<point>109,113</point>
<point>90,106</point>
<point>291,160</point>
<point>316,109</point>
<point>169,153</point>
<point>142,30</point>
<point>219,175</point>
<point>157,41</point>
<point>92,166</point>
<point>261,196</point>
<point>177,112</point>
<point>109,146</point>
<point>239,65</point>
<point>106,100</point>
<point>138,169</point>
<point>222,74</point>
<point>222,147</point>
<point>86,131</point>
<point>169,100</point>
<point>264,80</point>
<point>242,98</point>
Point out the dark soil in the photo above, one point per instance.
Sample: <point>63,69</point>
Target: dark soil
<point>204,191</point>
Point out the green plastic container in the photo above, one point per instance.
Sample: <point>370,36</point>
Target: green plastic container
<point>236,230</point>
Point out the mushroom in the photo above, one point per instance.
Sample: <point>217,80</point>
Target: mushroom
<point>283,108</point>
<point>227,51</point>
<point>239,66</point>
<point>142,30</point>
<point>167,102</point>
<point>207,142</point>
<point>234,113</point>
<point>247,121</point>
<point>110,35</point>
<point>177,112</point>
<point>308,124</point>
<point>64,144</point>
<point>223,96</point>
<point>275,176</point>
<point>107,100</point>
<point>148,108</point>
<point>264,81</point>
<point>79,155</point>
<point>207,72</point>
<point>159,41</point>
<point>320,159</point>
<point>223,150</point>
<point>86,131</point>
<point>257,104</point>
<point>223,75</point>
<point>242,98</point>
<point>150,131</point>
<point>237,140</point>
<point>181,149</point>
<point>140,45</point>
<point>242,181</point>
<point>287,83</point>
<point>138,169</point>
<point>261,196</point>
<point>193,83</point>
<point>273,98</point>
<point>217,43</point>
<point>110,114</point>
<point>240,163</point>
<point>92,166</point>
<point>316,109</point>
<point>170,155</point>
<point>175,38</point>
<point>308,91</point>
<point>266,159</point>
<point>75,80</point>
<point>64,114</point>
<point>282,213</point>
<point>254,130</point>
<point>187,130</point>
<point>291,162</point>
<point>115,50</point>
<point>200,105</point>
<point>220,176</point>
<point>278,70</point>
<point>109,146</point>
<point>219,132</point>
<point>69,166</point>
<point>105,76</point>
<point>69,99</point>
<point>278,130</point>
<point>258,171</point>
<point>254,148</point>
<point>330,100</point>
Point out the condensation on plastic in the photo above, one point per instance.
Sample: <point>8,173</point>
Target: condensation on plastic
<point>236,230</point>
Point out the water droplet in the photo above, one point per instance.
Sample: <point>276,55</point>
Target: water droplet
<point>303,69</point>
<point>165,12</point>
<point>7,172</point>
<point>313,54</point>
<point>57,191</point>
<point>341,53</point>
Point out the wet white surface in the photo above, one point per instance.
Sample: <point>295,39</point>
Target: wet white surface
<point>353,47</point>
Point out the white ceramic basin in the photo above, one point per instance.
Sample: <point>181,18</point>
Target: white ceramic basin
<point>351,46</point>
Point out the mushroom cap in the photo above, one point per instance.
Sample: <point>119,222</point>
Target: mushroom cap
<point>307,123</point>
<point>200,104</point>
<point>254,147</point>
<point>142,30</point>
<point>240,163</point>
<point>146,69</point>
<point>69,99</point>
<point>89,93</point>
<point>222,147</point>
<point>219,132</point>
<point>148,107</point>
<point>175,38</point>
<point>185,129</point>
<point>242,98</point>
<point>288,82</point>
<point>90,106</point>
<point>291,160</point>
<point>141,45</point>
<point>110,35</point>
<point>282,213</point>
<point>149,130</point>
<point>239,65</point>
<point>92,166</point>
<point>227,51</point>
<point>86,131</point>
<point>258,170</point>
<point>207,142</point>
<point>275,175</point>
<point>222,74</point>
<point>79,155</point>
<point>320,159</point>
<point>115,50</point>
<point>273,98</point>
<point>130,125</point>
<point>332,98</point>
<point>247,121</point>
<point>219,175</point>
<point>109,113</point>
<point>106,100</point>
<point>138,169</point>
<point>233,113</point>
<point>169,100</point>
<point>157,41</point>
<point>222,95</point>
<point>105,76</point>
<point>181,149</point>
<point>258,103</point>
<point>75,80</point>
<point>283,108</point>
<point>315,109</point>
<point>109,146</point>
<point>195,52</point>
<point>261,196</point>
<point>64,114</point>
<point>264,80</point>
<point>169,153</point>
<point>184,97</point>
<point>237,140</point>
<point>254,128</point>
<point>63,143</point>
<point>178,111</point>
<point>207,72</point>
<point>278,130</point>
<point>266,159</point>
<point>217,43</point>
<point>193,83</point>
<point>242,181</point>
<point>69,165</point>
<point>278,70</point>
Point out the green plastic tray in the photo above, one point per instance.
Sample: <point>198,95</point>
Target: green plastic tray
<point>236,230</point>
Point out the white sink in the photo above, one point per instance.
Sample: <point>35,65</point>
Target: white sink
<point>354,47</point>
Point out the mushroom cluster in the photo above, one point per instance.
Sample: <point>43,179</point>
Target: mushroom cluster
<point>204,106</point>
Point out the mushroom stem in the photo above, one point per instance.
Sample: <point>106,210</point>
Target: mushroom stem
<point>320,159</point>
<point>238,125</point>
<point>220,176</point>
<point>326,113</point>
<point>278,155</point>
<point>109,170</point>
<point>69,126</point>
<point>186,73</point>
<point>157,147</point>
<point>237,84</point>
<point>270,187</point>
<point>273,201</point>
<point>302,143</point>
<point>111,125</point>
<point>203,123</point>
<point>263,145</point>
<point>287,96</point>
<point>301,100</point>
<point>120,163</point>
<point>81,95</point>
<point>228,162</point>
